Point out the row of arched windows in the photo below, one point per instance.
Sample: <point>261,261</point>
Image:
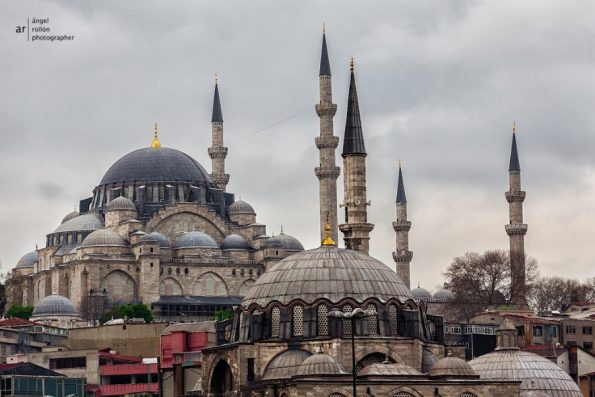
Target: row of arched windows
<point>206,285</point>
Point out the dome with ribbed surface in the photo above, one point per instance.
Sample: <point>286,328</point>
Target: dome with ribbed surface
<point>158,238</point>
<point>443,295</point>
<point>28,260</point>
<point>54,305</point>
<point>121,203</point>
<point>388,368</point>
<point>272,242</point>
<point>452,367</point>
<point>103,238</point>
<point>234,242</point>
<point>196,239</point>
<point>85,222</point>
<point>328,273</point>
<point>156,165</point>
<point>69,216</point>
<point>290,243</point>
<point>241,207</point>
<point>285,365</point>
<point>320,364</point>
<point>421,293</point>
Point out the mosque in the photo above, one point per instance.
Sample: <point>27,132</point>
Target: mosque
<point>327,321</point>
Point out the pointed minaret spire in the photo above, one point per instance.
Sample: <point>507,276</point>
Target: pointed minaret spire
<point>402,256</point>
<point>327,171</point>
<point>516,229</point>
<point>356,229</point>
<point>217,151</point>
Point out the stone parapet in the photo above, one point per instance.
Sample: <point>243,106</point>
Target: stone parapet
<point>515,196</point>
<point>403,256</point>
<point>217,152</point>
<point>326,109</point>
<point>332,173</point>
<point>327,142</point>
<point>516,229</point>
<point>401,226</point>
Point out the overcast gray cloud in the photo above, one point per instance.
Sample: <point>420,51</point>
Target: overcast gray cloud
<point>439,82</point>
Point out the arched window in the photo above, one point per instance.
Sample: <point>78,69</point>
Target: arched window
<point>209,284</point>
<point>372,358</point>
<point>322,320</point>
<point>403,394</point>
<point>242,319</point>
<point>119,286</point>
<point>347,322</point>
<point>392,320</point>
<point>467,394</point>
<point>372,321</point>
<point>275,319</point>
<point>298,320</point>
<point>170,286</point>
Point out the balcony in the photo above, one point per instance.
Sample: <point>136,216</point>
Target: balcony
<point>122,390</point>
<point>128,369</point>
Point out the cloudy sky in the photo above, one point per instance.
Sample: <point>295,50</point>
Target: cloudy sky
<point>439,83</point>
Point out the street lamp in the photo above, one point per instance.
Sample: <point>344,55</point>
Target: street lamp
<point>351,316</point>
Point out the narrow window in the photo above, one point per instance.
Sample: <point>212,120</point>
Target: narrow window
<point>347,322</point>
<point>298,320</point>
<point>322,320</point>
<point>392,320</point>
<point>372,321</point>
<point>275,319</point>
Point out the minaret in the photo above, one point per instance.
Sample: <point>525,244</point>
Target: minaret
<point>326,143</point>
<point>356,229</point>
<point>218,152</point>
<point>402,256</point>
<point>516,229</point>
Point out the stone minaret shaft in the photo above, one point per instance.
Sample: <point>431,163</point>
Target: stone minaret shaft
<point>516,229</point>
<point>402,256</point>
<point>326,143</point>
<point>356,229</point>
<point>218,152</point>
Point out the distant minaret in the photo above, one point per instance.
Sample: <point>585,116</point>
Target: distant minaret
<point>218,152</point>
<point>326,143</point>
<point>516,229</point>
<point>402,256</point>
<point>356,229</point>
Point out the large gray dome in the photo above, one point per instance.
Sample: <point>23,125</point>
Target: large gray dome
<point>326,273</point>
<point>158,238</point>
<point>28,260</point>
<point>234,242</point>
<point>121,203</point>
<point>85,222</point>
<point>241,207</point>
<point>70,216</point>
<point>54,305</point>
<point>156,165</point>
<point>421,294</point>
<point>103,238</point>
<point>290,243</point>
<point>196,240</point>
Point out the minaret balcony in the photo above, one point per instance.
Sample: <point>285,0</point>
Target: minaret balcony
<point>402,256</point>
<point>516,229</point>
<point>515,196</point>
<point>220,179</point>
<point>217,152</point>
<point>326,109</point>
<point>327,142</point>
<point>324,172</point>
<point>401,226</point>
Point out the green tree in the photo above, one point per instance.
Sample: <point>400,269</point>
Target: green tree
<point>136,310</point>
<point>223,314</point>
<point>20,311</point>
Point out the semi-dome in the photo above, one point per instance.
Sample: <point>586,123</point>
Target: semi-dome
<point>156,165</point>
<point>328,273</point>
<point>290,243</point>
<point>158,238</point>
<point>452,367</point>
<point>421,293</point>
<point>103,238</point>
<point>54,305</point>
<point>320,364</point>
<point>234,242</point>
<point>285,365</point>
<point>196,239</point>
<point>443,295</point>
<point>241,207</point>
<point>121,203</point>
<point>85,222</point>
<point>69,216</point>
<point>28,260</point>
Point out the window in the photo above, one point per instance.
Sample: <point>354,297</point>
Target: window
<point>403,394</point>
<point>570,329</point>
<point>467,394</point>
<point>372,321</point>
<point>392,320</point>
<point>275,318</point>
<point>456,329</point>
<point>347,322</point>
<point>588,330</point>
<point>68,362</point>
<point>298,320</point>
<point>588,346</point>
<point>322,320</point>
<point>537,331</point>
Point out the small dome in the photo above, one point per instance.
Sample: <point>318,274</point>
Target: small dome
<point>70,216</point>
<point>388,368</point>
<point>157,237</point>
<point>28,260</point>
<point>290,243</point>
<point>421,294</point>
<point>234,242</point>
<point>121,203</point>
<point>320,364</point>
<point>54,305</point>
<point>285,365</point>
<point>443,295</point>
<point>452,367</point>
<point>103,238</point>
<point>85,222</point>
<point>240,207</point>
<point>272,242</point>
<point>196,240</point>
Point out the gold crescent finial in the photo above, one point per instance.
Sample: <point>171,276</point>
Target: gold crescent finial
<point>514,127</point>
<point>327,234</point>
<point>352,65</point>
<point>155,143</point>
<point>323,27</point>
<point>216,79</point>
<point>400,163</point>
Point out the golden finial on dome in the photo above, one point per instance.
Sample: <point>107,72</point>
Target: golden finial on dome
<point>323,27</point>
<point>155,143</point>
<point>352,65</point>
<point>216,79</point>
<point>514,127</point>
<point>327,234</point>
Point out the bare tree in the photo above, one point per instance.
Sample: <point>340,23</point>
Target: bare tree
<point>552,293</point>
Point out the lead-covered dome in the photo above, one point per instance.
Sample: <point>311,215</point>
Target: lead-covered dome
<point>103,238</point>
<point>452,367</point>
<point>121,203</point>
<point>320,364</point>
<point>241,207</point>
<point>54,305</point>
<point>85,222</point>
<point>234,242</point>
<point>421,293</point>
<point>28,260</point>
<point>328,273</point>
<point>290,243</point>
<point>156,165</point>
<point>196,239</point>
<point>443,295</point>
<point>157,237</point>
<point>70,215</point>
